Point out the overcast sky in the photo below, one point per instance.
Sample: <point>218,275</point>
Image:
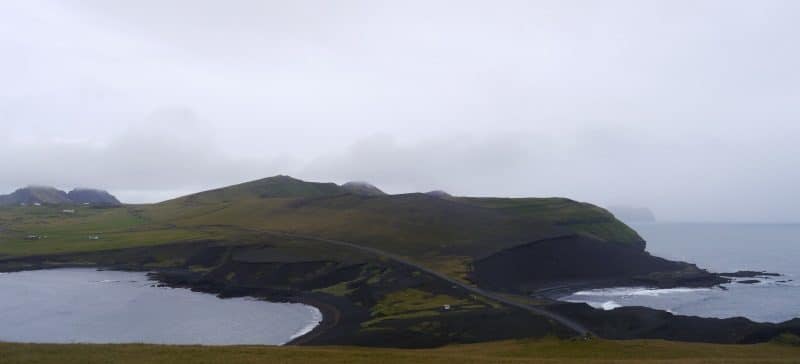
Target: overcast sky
<point>691,108</point>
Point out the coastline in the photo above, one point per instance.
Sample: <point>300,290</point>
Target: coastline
<point>279,320</point>
<point>330,317</point>
<point>563,289</point>
<point>329,314</point>
<point>341,319</point>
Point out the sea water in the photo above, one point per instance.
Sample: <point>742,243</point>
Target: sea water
<point>718,248</point>
<point>90,306</point>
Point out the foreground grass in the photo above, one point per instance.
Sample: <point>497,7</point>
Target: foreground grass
<point>525,351</point>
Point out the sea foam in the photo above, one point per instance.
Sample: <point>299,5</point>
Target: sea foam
<point>636,291</point>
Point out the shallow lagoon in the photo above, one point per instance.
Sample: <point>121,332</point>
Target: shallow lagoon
<point>90,306</point>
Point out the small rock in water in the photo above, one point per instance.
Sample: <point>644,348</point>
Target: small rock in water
<point>750,274</point>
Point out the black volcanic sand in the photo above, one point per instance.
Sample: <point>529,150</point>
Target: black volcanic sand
<point>264,271</point>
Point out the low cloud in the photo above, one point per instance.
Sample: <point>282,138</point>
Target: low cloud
<point>456,163</point>
<point>172,150</point>
<point>686,108</point>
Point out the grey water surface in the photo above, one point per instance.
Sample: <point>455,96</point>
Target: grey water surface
<point>718,248</point>
<point>90,306</point>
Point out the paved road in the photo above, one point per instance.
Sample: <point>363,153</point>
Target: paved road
<point>573,325</point>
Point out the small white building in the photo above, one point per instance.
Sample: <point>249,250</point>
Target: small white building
<point>68,211</point>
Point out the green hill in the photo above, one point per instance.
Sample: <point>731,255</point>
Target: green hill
<point>576,216</point>
<point>415,225</point>
<point>446,234</point>
<point>272,187</point>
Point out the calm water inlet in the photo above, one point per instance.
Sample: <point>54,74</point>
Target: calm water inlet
<point>90,306</point>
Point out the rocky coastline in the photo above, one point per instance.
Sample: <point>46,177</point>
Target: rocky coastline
<point>343,317</point>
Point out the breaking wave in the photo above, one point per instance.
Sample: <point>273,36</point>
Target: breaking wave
<point>607,305</point>
<point>636,291</point>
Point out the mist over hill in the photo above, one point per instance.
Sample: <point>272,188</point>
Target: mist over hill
<point>362,188</point>
<point>632,214</point>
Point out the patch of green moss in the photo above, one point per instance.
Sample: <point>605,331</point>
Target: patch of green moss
<point>340,289</point>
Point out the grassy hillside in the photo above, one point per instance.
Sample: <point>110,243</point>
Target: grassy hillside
<point>411,224</point>
<point>443,233</point>
<point>272,187</point>
<point>525,351</point>
<point>37,230</point>
<point>576,216</point>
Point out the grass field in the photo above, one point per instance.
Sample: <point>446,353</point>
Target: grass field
<point>87,229</point>
<point>524,351</point>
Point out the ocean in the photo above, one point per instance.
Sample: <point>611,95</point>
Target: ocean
<point>718,247</point>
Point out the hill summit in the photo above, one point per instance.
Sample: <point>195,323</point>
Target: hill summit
<point>46,195</point>
<point>279,186</point>
<point>362,188</point>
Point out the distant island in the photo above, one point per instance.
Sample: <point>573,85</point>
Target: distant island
<point>632,214</point>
